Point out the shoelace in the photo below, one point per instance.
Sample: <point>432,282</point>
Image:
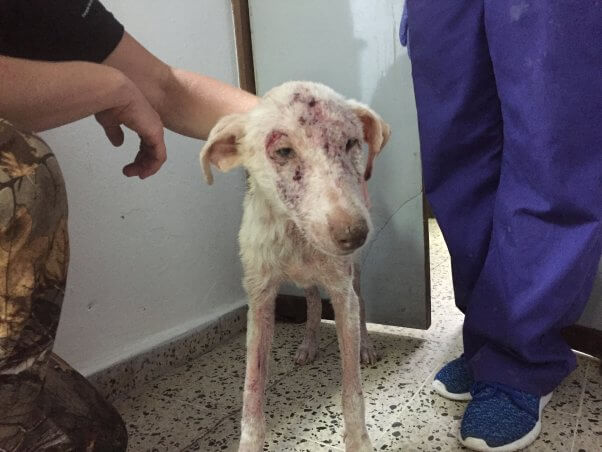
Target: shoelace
<point>484,391</point>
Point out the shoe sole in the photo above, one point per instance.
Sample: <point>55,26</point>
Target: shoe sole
<point>481,446</point>
<point>440,388</point>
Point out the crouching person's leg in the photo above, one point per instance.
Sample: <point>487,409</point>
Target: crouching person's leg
<point>44,403</point>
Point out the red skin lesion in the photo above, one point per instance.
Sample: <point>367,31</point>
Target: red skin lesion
<point>298,174</point>
<point>272,138</point>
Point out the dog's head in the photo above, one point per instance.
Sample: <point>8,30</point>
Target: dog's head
<point>302,146</point>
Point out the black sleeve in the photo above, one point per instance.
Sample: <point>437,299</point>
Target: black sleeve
<point>58,30</point>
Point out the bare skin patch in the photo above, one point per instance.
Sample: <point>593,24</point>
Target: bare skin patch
<point>290,171</point>
<point>273,137</point>
<point>290,195</point>
<point>291,185</point>
<point>298,174</point>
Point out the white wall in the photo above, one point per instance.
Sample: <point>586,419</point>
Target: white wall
<point>149,258</point>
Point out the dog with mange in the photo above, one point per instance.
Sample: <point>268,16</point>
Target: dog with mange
<point>305,217</point>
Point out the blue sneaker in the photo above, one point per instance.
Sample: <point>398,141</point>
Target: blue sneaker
<point>500,418</point>
<point>454,380</point>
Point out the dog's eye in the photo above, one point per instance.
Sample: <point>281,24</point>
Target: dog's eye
<point>351,143</point>
<point>285,153</point>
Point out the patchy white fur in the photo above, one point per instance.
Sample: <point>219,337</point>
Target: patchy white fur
<point>300,228</point>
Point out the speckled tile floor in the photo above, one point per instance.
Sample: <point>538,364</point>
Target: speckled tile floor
<point>197,407</point>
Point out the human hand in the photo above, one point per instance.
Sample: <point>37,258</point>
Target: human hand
<point>138,115</point>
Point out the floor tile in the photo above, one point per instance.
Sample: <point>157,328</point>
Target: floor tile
<point>567,397</point>
<point>309,401</point>
<point>408,358</point>
<point>417,434</point>
<point>589,435</point>
<point>225,437</point>
<point>429,422</point>
<point>592,397</point>
<point>157,423</point>
<point>557,433</point>
<point>213,381</point>
<point>437,248</point>
<point>168,356</point>
<point>216,379</point>
<point>429,405</point>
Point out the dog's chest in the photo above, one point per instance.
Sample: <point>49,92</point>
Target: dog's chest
<point>306,267</point>
<point>274,245</point>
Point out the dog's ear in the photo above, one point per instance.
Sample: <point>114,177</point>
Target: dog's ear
<point>376,132</point>
<point>222,146</point>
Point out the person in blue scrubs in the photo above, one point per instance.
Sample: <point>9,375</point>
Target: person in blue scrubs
<point>509,100</point>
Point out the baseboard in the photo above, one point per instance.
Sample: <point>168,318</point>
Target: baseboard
<point>124,376</point>
<point>584,339</point>
<point>293,309</point>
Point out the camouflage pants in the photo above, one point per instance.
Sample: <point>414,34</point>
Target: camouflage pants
<point>44,403</point>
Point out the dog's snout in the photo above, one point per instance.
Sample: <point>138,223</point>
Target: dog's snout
<point>346,232</point>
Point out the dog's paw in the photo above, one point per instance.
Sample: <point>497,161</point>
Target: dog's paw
<point>251,439</point>
<point>306,352</point>
<point>358,443</point>
<point>247,447</point>
<point>368,353</point>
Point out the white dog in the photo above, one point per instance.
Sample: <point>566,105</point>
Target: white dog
<point>305,215</point>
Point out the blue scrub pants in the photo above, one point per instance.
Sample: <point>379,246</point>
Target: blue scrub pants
<point>509,100</point>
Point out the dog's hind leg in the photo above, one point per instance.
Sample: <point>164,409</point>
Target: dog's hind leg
<point>308,349</point>
<point>260,331</point>
<point>346,313</point>
<point>368,353</point>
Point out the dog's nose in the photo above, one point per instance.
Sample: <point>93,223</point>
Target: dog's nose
<point>350,236</point>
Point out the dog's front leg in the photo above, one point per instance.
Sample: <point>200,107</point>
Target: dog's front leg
<point>308,349</point>
<point>368,353</point>
<point>347,319</point>
<point>260,331</point>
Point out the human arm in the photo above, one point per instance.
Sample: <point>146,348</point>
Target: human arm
<point>38,95</point>
<point>188,103</point>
